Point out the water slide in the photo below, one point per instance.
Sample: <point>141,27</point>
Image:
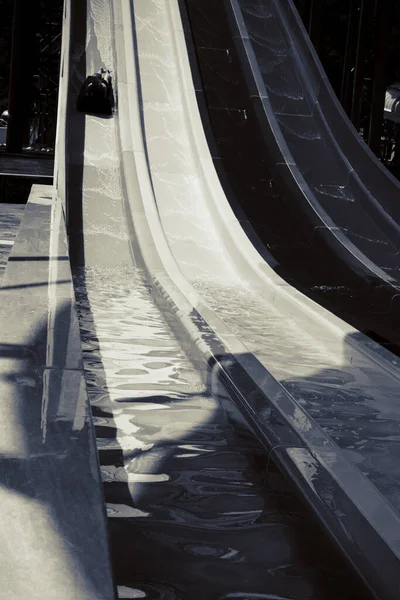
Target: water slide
<point>162,265</point>
<point>323,204</point>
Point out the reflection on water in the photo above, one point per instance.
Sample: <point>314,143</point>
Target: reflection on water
<point>349,396</point>
<point>192,512</point>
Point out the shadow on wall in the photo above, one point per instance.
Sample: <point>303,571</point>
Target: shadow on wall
<point>185,477</point>
<point>44,444</point>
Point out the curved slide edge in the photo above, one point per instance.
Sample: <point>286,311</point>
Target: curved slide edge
<point>379,181</point>
<point>273,131</point>
<point>276,207</point>
<point>244,248</point>
<point>356,515</point>
<point>375,274</point>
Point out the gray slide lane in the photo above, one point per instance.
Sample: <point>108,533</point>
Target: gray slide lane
<point>180,481</point>
<point>323,205</point>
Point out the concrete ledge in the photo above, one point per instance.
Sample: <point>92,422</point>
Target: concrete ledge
<point>350,508</point>
<point>53,526</point>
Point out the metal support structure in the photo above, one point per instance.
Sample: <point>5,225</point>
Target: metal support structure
<point>23,59</point>
<point>48,73</point>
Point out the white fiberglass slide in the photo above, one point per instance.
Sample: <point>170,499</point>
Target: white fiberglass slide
<point>189,214</point>
<point>194,247</point>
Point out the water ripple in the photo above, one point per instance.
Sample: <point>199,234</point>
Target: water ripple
<point>179,481</point>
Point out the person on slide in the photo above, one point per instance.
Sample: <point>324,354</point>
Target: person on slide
<point>96,96</point>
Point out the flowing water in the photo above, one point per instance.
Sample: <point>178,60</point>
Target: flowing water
<point>348,395</point>
<point>194,511</point>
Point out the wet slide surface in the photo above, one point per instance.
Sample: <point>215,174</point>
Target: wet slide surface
<point>348,395</point>
<point>273,194</point>
<point>195,509</point>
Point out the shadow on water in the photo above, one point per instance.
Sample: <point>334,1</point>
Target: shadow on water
<point>208,515</point>
<point>196,508</point>
<point>356,404</point>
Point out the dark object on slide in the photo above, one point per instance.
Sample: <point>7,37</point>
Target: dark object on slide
<point>96,95</point>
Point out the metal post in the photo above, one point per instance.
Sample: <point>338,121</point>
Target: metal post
<point>383,24</point>
<point>23,55</point>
